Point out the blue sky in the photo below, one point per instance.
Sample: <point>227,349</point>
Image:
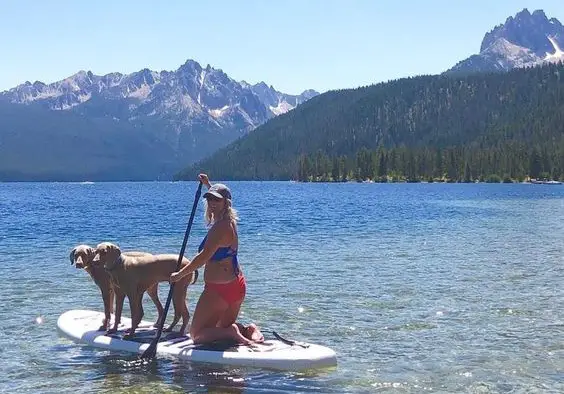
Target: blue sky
<point>292,44</point>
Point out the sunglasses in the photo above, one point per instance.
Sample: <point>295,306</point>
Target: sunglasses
<point>213,198</point>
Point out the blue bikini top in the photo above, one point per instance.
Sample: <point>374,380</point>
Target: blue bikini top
<point>223,253</point>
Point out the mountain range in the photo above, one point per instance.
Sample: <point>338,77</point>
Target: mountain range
<point>191,93</point>
<point>192,111</point>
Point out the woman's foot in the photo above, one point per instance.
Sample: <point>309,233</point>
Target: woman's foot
<point>253,333</point>
<point>237,336</point>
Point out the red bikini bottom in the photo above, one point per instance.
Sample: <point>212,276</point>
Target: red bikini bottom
<point>231,292</point>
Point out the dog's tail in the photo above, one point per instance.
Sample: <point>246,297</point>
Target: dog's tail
<point>195,277</point>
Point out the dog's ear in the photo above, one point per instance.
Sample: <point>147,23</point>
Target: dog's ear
<point>91,252</point>
<point>71,256</point>
<point>114,248</point>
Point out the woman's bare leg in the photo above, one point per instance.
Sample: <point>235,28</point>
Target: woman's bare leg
<point>218,333</point>
<point>250,332</point>
<point>213,320</point>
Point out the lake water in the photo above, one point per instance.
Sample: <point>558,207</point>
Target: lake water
<point>417,287</point>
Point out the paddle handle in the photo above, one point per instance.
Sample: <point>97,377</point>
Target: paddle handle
<point>180,257</point>
<point>151,351</point>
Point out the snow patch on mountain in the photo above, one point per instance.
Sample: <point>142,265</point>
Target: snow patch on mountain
<point>281,108</point>
<point>217,113</point>
<point>558,53</point>
<point>202,79</point>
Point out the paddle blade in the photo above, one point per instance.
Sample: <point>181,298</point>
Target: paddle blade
<point>151,351</point>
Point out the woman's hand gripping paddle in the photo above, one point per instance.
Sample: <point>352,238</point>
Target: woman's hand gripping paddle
<point>152,349</point>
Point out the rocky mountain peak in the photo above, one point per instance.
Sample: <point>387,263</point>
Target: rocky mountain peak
<point>524,40</point>
<point>527,30</point>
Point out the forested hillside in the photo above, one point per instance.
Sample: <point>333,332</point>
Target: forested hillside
<point>476,127</point>
<point>41,145</point>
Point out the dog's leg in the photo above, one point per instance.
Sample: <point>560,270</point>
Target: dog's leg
<point>107,298</point>
<point>176,302</point>
<point>169,327</point>
<point>120,297</point>
<point>153,292</point>
<point>136,306</point>
<point>112,293</point>
<point>112,300</point>
<point>180,307</point>
<point>183,301</point>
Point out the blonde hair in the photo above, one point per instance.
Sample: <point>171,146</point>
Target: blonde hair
<point>229,213</point>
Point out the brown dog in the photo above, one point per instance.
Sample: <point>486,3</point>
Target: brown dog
<point>82,255</point>
<point>133,275</point>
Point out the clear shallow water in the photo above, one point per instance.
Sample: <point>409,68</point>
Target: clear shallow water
<point>418,287</point>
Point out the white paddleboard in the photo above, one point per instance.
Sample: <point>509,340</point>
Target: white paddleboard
<point>82,326</point>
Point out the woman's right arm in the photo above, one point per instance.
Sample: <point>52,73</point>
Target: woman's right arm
<point>205,180</point>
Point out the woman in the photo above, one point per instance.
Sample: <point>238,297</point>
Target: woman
<point>225,287</point>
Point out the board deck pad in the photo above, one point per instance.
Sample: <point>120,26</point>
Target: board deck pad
<point>81,326</point>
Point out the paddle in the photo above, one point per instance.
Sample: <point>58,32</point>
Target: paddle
<point>152,349</point>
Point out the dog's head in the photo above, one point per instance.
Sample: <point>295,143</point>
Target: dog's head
<point>106,254</point>
<point>81,256</point>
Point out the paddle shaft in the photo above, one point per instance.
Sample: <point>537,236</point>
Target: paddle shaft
<point>150,352</point>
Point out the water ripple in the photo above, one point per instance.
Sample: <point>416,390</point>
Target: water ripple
<point>419,288</point>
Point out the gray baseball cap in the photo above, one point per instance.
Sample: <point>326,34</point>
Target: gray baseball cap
<point>218,190</point>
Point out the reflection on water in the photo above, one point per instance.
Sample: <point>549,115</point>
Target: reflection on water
<point>117,372</point>
<point>113,372</point>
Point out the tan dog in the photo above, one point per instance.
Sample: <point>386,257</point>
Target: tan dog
<point>133,275</point>
<point>82,255</point>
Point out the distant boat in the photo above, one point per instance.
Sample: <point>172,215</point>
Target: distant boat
<point>86,183</point>
<point>545,182</point>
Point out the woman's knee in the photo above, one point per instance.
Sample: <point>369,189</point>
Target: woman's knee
<point>195,329</point>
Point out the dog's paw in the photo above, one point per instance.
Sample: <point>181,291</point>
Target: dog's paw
<point>183,331</point>
<point>129,335</point>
